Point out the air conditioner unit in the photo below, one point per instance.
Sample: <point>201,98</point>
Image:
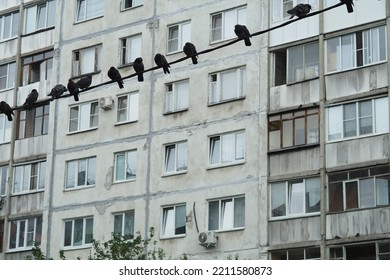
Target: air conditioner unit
<point>106,103</point>
<point>207,239</point>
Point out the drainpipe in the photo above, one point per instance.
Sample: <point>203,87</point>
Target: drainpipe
<point>13,131</point>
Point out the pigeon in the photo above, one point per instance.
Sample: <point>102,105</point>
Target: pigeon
<point>73,89</point>
<point>139,68</point>
<point>114,75</point>
<point>84,82</point>
<point>31,99</point>
<point>57,91</point>
<point>190,51</point>
<point>349,4</point>
<point>162,62</point>
<point>6,110</point>
<point>242,32</point>
<point>300,10</point>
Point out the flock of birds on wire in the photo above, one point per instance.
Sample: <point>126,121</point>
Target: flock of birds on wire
<point>242,32</point>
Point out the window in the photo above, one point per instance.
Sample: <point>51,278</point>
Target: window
<point>125,166</point>
<point>176,96</point>
<point>178,35</point>
<point>29,177</point>
<point>84,117</point>
<point>297,254</point>
<point>5,129</point>
<point>7,75</point>
<point>37,68</point>
<point>302,63</point>
<point>78,232</point>
<point>366,117</point>
<point>176,157</point>
<point>86,61</point>
<point>361,188</point>
<point>355,50</point>
<point>3,180</point>
<point>293,129</point>
<point>124,224</point>
<point>88,9</point>
<point>295,198</point>
<point>174,221</point>
<point>227,213</point>
<point>279,8</point>
<point>130,48</point>
<point>9,25</point>
<point>222,23</point>
<point>227,85</point>
<point>40,16</point>
<point>127,109</point>
<point>80,173</point>
<point>126,4</point>
<point>366,251</point>
<point>33,122</point>
<point>25,233</point>
<point>227,148</point>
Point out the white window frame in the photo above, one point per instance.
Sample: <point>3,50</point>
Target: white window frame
<point>170,220</point>
<point>177,96</point>
<point>25,181</point>
<point>131,156</point>
<point>34,12</point>
<point>126,224</point>
<point>226,154</point>
<point>294,197</point>
<point>228,19</point>
<point>12,31</point>
<point>37,67</point>
<point>73,170</point>
<point>134,4</point>
<point>86,60</point>
<point>226,214</point>
<point>221,92</point>
<point>279,8</point>
<point>86,241</point>
<point>176,44</point>
<point>130,48</point>
<point>3,180</point>
<point>5,129</point>
<point>130,111</point>
<point>336,121</point>
<point>9,76</point>
<point>86,10</point>
<point>179,155</point>
<point>308,67</point>
<point>347,56</point>
<point>84,114</point>
<point>24,233</point>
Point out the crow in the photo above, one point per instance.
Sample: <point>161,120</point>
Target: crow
<point>31,99</point>
<point>57,91</point>
<point>190,51</point>
<point>349,4</point>
<point>242,32</point>
<point>139,68</point>
<point>114,75</point>
<point>84,82</point>
<point>300,10</point>
<point>6,110</point>
<point>73,89</point>
<point>161,61</point>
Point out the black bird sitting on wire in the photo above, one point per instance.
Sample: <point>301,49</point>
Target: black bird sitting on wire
<point>6,110</point>
<point>57,91</point>
<point>300,10</point>
<point>114,75</point>
<point>73,89</point>
<point>349,4</point>
<point>161,61</point>
<point>190,51</point>
<point>138,66</point>
<point>84,82</point>
<point>242,32</point>
<point>31,99</point>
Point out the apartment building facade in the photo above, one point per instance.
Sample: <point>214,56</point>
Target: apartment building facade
<point>279,150</point>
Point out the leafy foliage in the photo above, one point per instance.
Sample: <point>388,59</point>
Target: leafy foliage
<point>37,254</point>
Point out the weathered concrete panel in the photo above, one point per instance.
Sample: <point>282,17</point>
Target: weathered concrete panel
<point>8,48</point>
<point>25,204</point>
<point>7,4</point>
<point>37,41</point>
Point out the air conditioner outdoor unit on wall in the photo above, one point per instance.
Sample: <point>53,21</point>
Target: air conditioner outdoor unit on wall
<point>106,103</point>
<point>207,239</point>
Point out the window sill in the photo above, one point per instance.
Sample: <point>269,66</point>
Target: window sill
<point>216,42</point>
<point>80,247</point>
<point>221,165</point>
<point>27,192</point>
<point>294,148</point>
<point>175,112</point>
<point>354,68</point>
<point>355,138</point>
<point>124,181</point>
<point>229,230</point>
<point>226,101</point>
<point>18,250</point>
<point>125,65</point>
<point>125,122</point>
<point>293,217</point>
<point>85,74</point>
<point>131,8</point>
<point>302,81</point>
<point>81,131</point>
<point>79,188</point>
<point>88,19</point>
<point>174,173</point>
<point>38,31</point>
<point>173,237</point>
<point>8,39</point>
